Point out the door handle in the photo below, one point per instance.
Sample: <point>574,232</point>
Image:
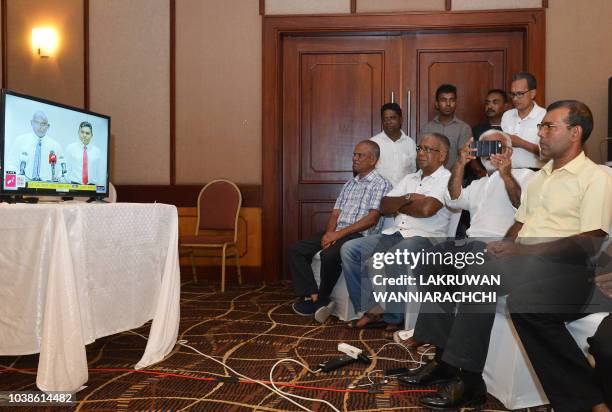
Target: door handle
<point>408,107</point>
<point>392,97</point>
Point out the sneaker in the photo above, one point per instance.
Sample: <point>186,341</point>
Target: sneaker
<point>323,311</point>
<point>304,307</point>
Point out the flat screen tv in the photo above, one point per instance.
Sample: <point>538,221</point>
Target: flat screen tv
<point>50,149</point>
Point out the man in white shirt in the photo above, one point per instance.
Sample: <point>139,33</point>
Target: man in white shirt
<point>521,123</point>
<point>35,154</point>
<point>397,150</point>
<point>85,160</point>
<point>417,202</point>
<point>492,201</point>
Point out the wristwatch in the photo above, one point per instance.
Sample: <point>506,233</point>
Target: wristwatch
<point>407,197</point>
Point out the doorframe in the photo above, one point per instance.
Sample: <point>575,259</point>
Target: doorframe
<point>275,28</point>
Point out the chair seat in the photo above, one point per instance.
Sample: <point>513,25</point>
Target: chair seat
<point>205,240</point>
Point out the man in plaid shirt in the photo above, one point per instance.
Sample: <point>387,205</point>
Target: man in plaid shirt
<point>356,214</point>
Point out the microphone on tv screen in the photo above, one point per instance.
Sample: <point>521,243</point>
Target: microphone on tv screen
<point>62,161</point>
<point>52,162</point>
<point>23,161</point>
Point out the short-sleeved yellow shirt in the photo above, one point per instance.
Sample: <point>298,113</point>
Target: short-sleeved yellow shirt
<point>573,199</point>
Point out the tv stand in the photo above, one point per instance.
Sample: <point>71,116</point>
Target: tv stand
<point>18,199</point>
<point>97,200</point>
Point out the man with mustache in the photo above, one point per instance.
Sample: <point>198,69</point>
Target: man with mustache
<point>355,214</point>
<point>417,204</point>
<point>446,123</point>
<point>495,106</point>
<point>521,122</point>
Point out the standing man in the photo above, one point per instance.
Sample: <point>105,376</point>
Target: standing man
<point>495,106</point>
<point>355,214</point>
<point>446,123</point>
<point>85,160</point>
<point>397,150</point>
<point>35,154</point>
<point>521,123</point>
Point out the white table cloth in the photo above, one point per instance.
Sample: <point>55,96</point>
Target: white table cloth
<point>73,272</point>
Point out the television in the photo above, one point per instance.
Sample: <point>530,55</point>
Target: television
<point>50,149</point>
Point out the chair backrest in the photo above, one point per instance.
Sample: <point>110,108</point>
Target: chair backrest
<point>218,206</point>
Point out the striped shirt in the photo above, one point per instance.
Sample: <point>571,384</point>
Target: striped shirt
<point>358,197</point>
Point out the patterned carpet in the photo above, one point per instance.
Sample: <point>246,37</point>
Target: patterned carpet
<point>249,328</point>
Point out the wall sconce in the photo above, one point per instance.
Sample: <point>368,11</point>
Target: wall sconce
<point>44,41</point>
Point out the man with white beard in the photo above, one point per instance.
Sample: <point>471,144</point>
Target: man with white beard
<point>492,202</point>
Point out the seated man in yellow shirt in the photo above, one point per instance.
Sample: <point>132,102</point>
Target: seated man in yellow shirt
<point>565,206</point>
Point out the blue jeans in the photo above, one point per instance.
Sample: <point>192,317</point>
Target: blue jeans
<point>356,253</point>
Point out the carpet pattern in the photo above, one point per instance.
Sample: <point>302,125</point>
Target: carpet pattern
<point>249,328</point>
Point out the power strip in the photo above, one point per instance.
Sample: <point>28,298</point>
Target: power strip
<point>402,335</point>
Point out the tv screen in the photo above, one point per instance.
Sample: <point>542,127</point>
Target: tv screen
<point>52,149</point>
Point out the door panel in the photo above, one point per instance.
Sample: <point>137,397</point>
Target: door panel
<point>338,110</point>
<point>474,62</point>
<point>333,88</point>
<point>314,216</point>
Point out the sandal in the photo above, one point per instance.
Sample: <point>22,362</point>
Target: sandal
<point>368,321</point>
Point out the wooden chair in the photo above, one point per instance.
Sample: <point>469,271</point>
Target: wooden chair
<point>218,207</point>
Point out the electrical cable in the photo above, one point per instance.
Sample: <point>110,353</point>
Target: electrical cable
<point>294,395</point>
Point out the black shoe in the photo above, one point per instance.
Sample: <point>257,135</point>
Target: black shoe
<point>304,307</point>
<point>430,374</point>
<point>456,394</point>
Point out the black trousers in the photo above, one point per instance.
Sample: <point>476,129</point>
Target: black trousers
<point>463,330</point>
<point>601,349</point>
<point>463,336</point>
<point>300,259</point>
<point>567,378</point>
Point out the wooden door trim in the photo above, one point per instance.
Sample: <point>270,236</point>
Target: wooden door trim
<point>275,28</point>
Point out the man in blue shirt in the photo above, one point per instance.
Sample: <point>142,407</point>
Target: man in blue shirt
<point>355,214</point>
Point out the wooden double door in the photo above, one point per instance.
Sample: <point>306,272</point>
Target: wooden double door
<point>334,86</point>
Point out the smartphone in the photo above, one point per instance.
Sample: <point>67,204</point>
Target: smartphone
<point>485,148</point>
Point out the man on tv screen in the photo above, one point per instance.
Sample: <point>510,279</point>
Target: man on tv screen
<point>35,154</point>
<point>85,159</point>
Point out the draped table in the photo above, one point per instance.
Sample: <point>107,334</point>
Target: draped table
<point>71,273</point>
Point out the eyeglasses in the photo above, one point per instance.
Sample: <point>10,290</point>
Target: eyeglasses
<point>41,124</point>
<point>551,126</point>
<point>518,94</point>
<point>426,149</point>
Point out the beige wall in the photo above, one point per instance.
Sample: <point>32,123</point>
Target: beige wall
<point>495,4</point>
<point>307,7</point>
<point>578,59</point>
<point>218,91</point>
<point>375,6</point>
<point>218,77</point>
<point>130,81</point>
<point>60,77</point>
